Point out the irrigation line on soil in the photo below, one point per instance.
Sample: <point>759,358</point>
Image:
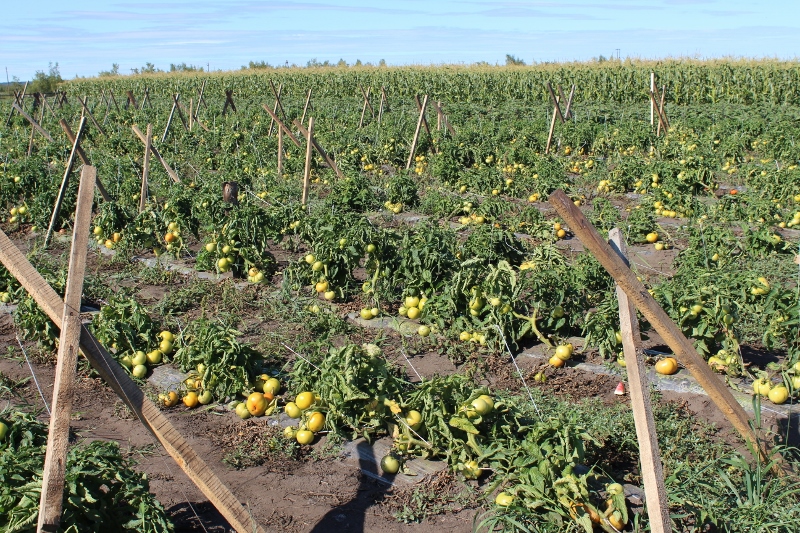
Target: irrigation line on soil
<point>300,356</point>
<point>521,377</point>
<point>34,376</point>
<point>403,351</point>
<point>156,444</point>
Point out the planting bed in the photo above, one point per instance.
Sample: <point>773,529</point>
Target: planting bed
<point>440,320</point>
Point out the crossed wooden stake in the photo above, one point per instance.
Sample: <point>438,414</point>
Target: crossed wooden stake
<point>228,102</point>
<point>657,106</point>
<point>367,104</point>
<point>557,111</point>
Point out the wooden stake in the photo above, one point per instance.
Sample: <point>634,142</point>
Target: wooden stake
<point>154,150</point>
<point>282,126</point>
<point>118,379</point>
<point>445,121</point>
<point>280,152</point>
<point>200,100</point>
<point>275,108</point>
<point>148,145</point>
<point>278,104</point>
<point>62,191</point>
<point>662,119</point>
<point>554,99</point>
<point>652,89</point>
<point>52,496</point>
<point>383,103</point>
<point>331,163</point>
<point>366,103</point>
<point>85,160</point>
<point>666,328</point>
<point>309,151</point>
<point>116,106</point>
<point>19,99</point>
<point>652,469</point>
<point>33,122</point>
<point>305,107</point>
<point>91,116</point>
<point>47,105</point>
<point>423,106</point>
<point>424,120</point>
<point>146,98</point>
<point>228,102</point>
<point>191,113</point>
<point>131,100</point>
<point>33,131</point>
<point>169,120</point>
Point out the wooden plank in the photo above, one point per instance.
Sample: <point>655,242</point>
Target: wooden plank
<point>661,322</point>
<point>309,151</point>
<point>154,150</point>
<point>554,100</point>
<point>91,116</point>
<point>33,122</point>
<point>148,145</point>
<point>117,378</point>
<point>62,191</point>
<point>305,107</point>
<point>423,106</point>
<point>641,404</point>
<point>282,126</point>
<point>331,163</point>
<point>55,459</point>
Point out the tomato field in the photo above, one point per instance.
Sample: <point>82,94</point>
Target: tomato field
<point>428,305</point>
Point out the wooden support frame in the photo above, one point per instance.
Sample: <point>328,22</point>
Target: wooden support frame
<point>228,102</point>
<point>33,130</point>
<point>685,353</point>
<point>278,103</point>
<point>641,404</point>
<point>282,126</point>
<point>424,119</point>
<point>657,101</point>
<point>116,106</point>
<point>131,100</point>
<point>309,151</point>
<point>280,152</point>
<point>86,110</point>
<point>146,99</point>
<point>49,108</point>
<point>384,103</point>
<point>305,107</point>
<point>443,118</point>
<point>154,150</point>
<point>148,145</point>
<point>85,160</point>
<point>52,496</point>
<point>200,100</point>
<point>19,99</point>
<point>176,106</point>
<point>117,378</point>
<point>30,119</point>
<point>275,107</point>
<point>415,140</point>
<point>62,191</point>
<point>331,163</point>
<point>367,103</point>
<point>557,111</point>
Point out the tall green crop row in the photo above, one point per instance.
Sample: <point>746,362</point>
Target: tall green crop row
<point>688,82</point>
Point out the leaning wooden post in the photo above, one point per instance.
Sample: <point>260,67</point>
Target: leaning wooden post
<point>19,98</point>
<point>424,120</point>
<point>280,152</point>
<point>652,469</point>
<point>32,121</point>
<point>91,116</point>
<point>52,496</point>
<point>148,144</point>
<point>275,107</point>
<point>305,107</point>
<point>169,120</point>
<point>423,106</point>
<point>191,113</point>
<point>384,101</point>
<point>64,183</point>
<point>309,151</point>
<point>330,162</point>
<point>282,126</point>
<point>155,152</point>
<point>119,380</point>
<point>663,324</point>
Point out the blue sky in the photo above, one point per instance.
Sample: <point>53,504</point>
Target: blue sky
<point>85,37</point>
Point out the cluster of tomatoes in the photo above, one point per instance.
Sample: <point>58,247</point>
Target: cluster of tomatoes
<point>110,240</point>
<point>18,214</point>
<point>306,408</point>
<point>320,274</point>
<point>137,363</point>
